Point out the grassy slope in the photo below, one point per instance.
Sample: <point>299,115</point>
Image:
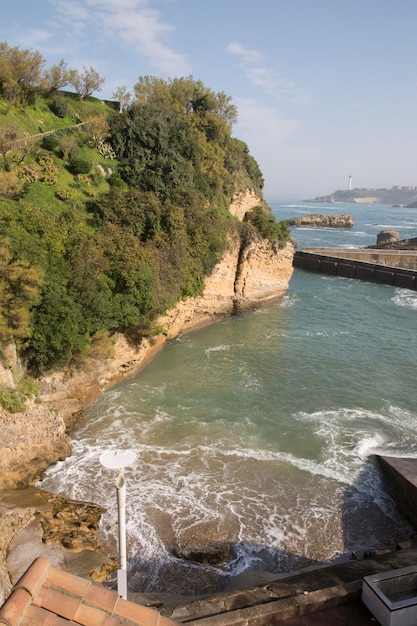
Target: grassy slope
<point>38,118</point>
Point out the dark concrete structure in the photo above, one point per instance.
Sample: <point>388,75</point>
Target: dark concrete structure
<point>368,265</point>
<point>401,476</point>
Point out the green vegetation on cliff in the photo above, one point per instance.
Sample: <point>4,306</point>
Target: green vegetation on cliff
<point>107,216</point>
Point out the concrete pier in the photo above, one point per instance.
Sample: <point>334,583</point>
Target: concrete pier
<point>396,268</point>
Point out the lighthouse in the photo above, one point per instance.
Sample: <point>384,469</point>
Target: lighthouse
<point>350,183</point>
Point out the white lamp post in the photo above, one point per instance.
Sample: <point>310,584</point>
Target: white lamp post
<point>119,459</point>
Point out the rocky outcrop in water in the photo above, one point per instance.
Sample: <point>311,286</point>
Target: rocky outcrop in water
<point>322,220</point>
<point>390,240</point>
<point>213,554</point>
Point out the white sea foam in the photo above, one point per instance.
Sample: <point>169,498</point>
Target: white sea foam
<point>220,348</point>
<point>368,445</point>
<point>289,300</point>
<point>262,499</point>
<point>406,298</point>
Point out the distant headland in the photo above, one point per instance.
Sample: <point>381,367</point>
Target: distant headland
<point>396,196</point>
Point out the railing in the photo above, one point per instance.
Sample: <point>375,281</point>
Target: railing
<point>17,143</point>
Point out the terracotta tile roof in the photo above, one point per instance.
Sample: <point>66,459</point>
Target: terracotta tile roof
<point>46,596</point>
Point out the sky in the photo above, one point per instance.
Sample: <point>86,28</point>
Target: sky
<point>325,89</point>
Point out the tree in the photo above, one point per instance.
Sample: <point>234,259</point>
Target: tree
<point>87,82</point>
<point>68,146</point>
<point>9,134</point>
<point>186,95</point>
<point>20,287</point>
<point>152,89</point>
<point>123,96</point>
<point>20,72</point>
<point>267,225</point>
<point>154,146</point>
<point>58,76</point>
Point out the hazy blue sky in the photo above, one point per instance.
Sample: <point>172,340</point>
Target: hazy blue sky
<point>324,88</point>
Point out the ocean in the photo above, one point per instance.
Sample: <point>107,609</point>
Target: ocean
<point>259,432</point>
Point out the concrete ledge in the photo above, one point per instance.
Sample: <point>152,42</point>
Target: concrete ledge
<point>291,597</point>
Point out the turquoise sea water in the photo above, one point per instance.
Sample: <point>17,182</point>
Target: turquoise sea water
<point>260,430</point>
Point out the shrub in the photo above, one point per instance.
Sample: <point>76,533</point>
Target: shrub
<point>267,225</point>
<point>79,165</point>
<point>12,184</point>
<point>50,142</point>
<point>13,398</point>
<point>30,173</point>
<point>59,106</point>
<point>116,181</point>
<point>64,194</point>
<point>49,169</point>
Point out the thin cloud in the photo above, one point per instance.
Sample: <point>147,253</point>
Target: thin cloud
<point>131,22</point>
<point>259,122</point>
<point>74,16</point>
<point>263,76</point>
<point>248,56</point>
<point>34,38</point>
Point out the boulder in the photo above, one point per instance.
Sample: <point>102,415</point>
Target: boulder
<point>389,240</point>
<point>386,237</point>
<point>212,554</point>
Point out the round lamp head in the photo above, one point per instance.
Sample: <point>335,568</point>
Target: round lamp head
<point>116,459</point>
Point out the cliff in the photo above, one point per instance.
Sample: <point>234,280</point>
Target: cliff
<point>249,274</point>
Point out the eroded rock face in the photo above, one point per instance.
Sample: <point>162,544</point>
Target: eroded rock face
<point>244,202</point>
<point>263,272</point>
<point>30,442</point>
<point>322,220</point>
<point>36,523</point>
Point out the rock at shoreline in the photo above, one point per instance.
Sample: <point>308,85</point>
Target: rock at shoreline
<point>322,220</point>
<point>389,240</point>
<point>213,554</point>
<point>387,237</point>
<point>36,523</point>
